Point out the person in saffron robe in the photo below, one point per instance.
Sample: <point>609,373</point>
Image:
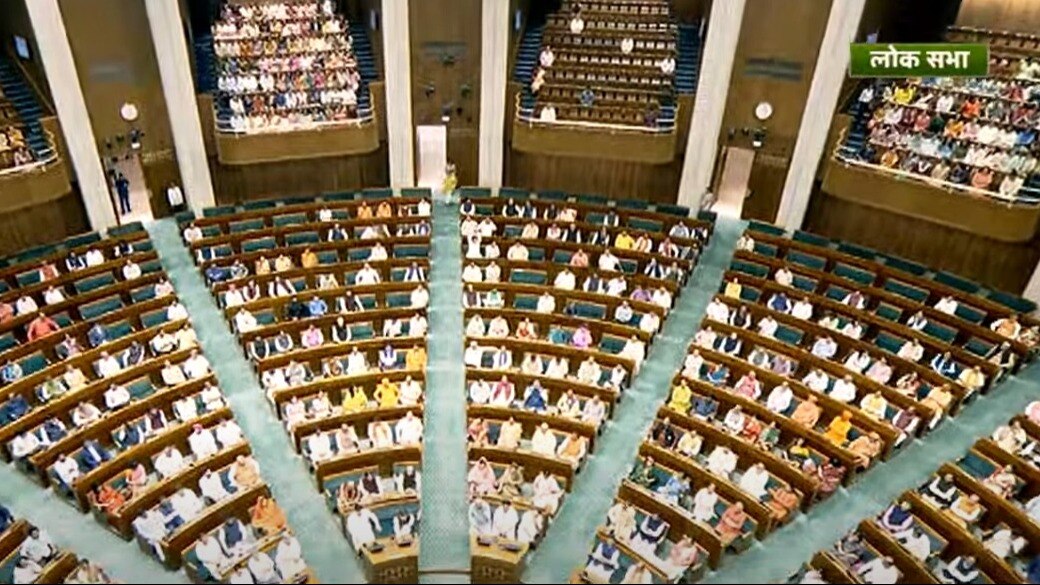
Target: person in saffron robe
<point>731,523</point>
<point>267,516</point>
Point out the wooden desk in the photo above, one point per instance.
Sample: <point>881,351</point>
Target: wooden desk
<point>546,321</point>
<point>526,460</point>
<point>401,206</point>
<point>554,388</point>
<point>876,295</point>
<point>177,435</point>
<point>961,542</point>
<point>93,392</point>
<point>385,268</point>
<point>679,523</point>
<point>913,570</point>
<point>352,419</point>
<point>248,258</point>
<point>829,407</point>
<point>395,564</point>
<point>102,429</point>
<point>511,291</point>
<point>121,521</point>
<point>875,324</point>
<point>848,344</point>
<point>805,484</point>
<point>492,564</point>
<point>813,438</point>
<point>884,273</point>
<point>237,506</point>
<point>383,458</point>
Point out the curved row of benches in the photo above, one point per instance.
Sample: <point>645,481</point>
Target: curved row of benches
<point>553,336</point>
<point>776,406</point>
<point>973,521</point>
<point>337,338</point>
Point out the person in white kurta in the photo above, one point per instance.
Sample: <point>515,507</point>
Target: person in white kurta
<point>229,433</point>
<point>212,487</point>
<point>211,555</point>
<point>262,568</point>
<point>917,544</point>
<point>530,526</point>
<point>169,462</point>
<point>704,503</point>
<point>504,521</point>
<point>722,462</point>
<point>779,399</point>
<point>37,546</point>
<point>601,564</point>
<point>754,481</point>
<point>289,559</point>
<point>362,525</point>
<point>202,442</point>
<point>152,528</point>
<point>409,430</point>
<point>543,441</point>
<point>879,571</point>
<point>187,504</point>
<point>241,576</point>
<point>319,447</point>
<point>26,571</point>
<point>411,392</point>
<point>547,492</point>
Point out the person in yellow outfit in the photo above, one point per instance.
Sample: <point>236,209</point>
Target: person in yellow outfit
<point>903,95</point>
<point>384,210</point>
<point>415,359</point>
<point>681,396</point>
<point>733,289</point>
<point>938,399</point>
<point>308,259</point>
<point>838,430</point>
<point>624,241</point>
<point>356,402</point>
<point>386,394</point>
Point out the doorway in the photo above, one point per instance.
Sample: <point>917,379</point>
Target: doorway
<point>129,165</point>
<point>432,145</point>
<point>732,189</point>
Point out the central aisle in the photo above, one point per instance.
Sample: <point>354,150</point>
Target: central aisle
<point>325,549</point>
<point>444,531</point>
<point>569,539</point>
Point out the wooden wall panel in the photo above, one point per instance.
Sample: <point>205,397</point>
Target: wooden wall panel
<point>1001,265</point>
<point>234,184</point>
<point>618,179</point>
<point>775,60</point>
<point>43,224</point>
<point>112,46</point>
<point>445,44</point>
<point>1009,15</point>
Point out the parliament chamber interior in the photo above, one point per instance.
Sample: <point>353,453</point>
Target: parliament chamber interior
<point>519,291</point>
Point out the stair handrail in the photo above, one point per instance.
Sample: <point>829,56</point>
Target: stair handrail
<point>41,95</point>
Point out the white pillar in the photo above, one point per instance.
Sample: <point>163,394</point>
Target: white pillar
<point>494,48</point>
<point>819,106</point>
<point>702,144</point>
<point>56,55</point>
<point>164,18</point>
<point>397,68</point>
<point>1032,291</point>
